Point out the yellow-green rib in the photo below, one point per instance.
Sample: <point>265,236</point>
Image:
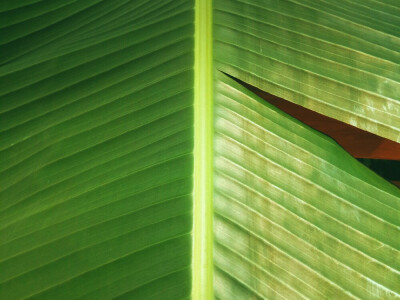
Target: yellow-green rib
<point>202,263</point>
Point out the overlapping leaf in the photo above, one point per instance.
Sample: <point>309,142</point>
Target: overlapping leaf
<point>296,217</point>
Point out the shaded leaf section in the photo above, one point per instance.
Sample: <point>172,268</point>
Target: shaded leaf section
<point>96,149</point>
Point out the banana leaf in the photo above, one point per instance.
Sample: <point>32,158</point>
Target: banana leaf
<point>296,217</point>
<point>133,167</point>
<point>338,58</point>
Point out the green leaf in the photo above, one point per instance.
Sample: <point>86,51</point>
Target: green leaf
<point>295,215</point>
<point>97,150</point>
<point>132,167</point>
<point>338,58</point>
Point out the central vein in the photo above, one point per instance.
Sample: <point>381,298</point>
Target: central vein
<point>202,263</point>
